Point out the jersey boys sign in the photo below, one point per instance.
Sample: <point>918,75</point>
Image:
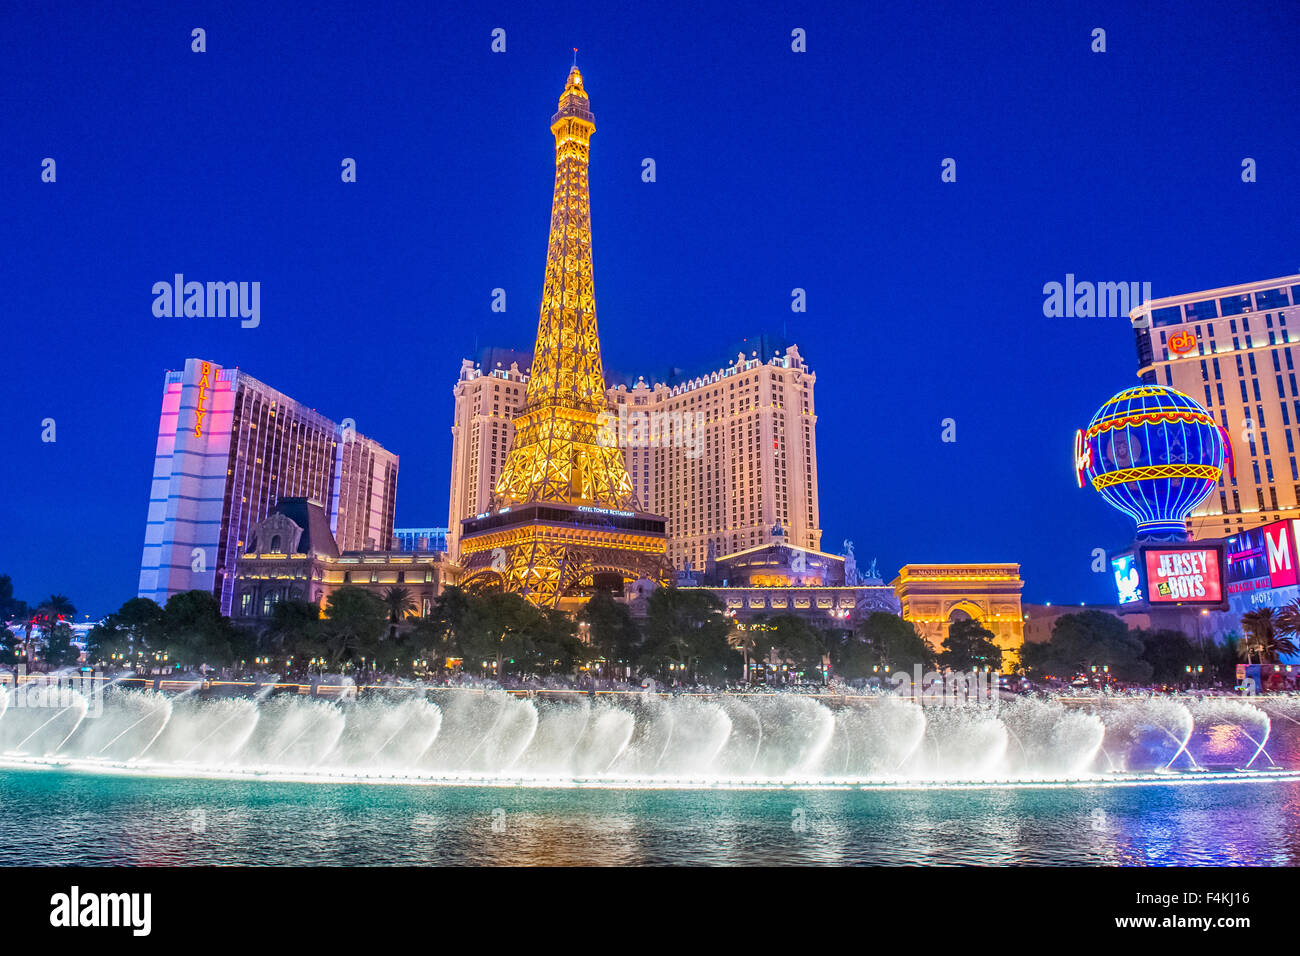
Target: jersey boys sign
<point>1184,575</point>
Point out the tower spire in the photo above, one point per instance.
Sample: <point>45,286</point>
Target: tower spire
<point>563,511</point>
<point>560,452</point>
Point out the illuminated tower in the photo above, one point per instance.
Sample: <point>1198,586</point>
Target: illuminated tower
<point>564,517</point>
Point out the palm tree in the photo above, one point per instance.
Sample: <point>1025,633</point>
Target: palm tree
<point>55,608</point>
<point>400,605</point>
<point>744,642</point>
<point>1260,631</point>
<point>1287,619</point>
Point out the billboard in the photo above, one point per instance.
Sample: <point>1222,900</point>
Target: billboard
<point>1128,580</point>
<point>1279,543</point>
<point>1247,562</point>
<point>1183,574</point>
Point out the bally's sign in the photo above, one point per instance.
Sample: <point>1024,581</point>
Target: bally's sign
<point>203,404</point>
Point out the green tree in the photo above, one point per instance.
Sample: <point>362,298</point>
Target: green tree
<point>610,628</point>
<point>354,624</point>
<point>688,629</point>
<point>10,609</point>
<point>794,641</point>
<point>294,630</point>
<point>107,643</point>
<point>1086,638</point>
<point>10,645</point>
<point>1169,653</point>
<point>400,604</point>
<point>449,612</point>
<point>59,649</point>
<point>428,640</point>
<point>1259,628</point>
<point>970,646</point>
<point>881,640</point>
<point>553,638</point>
<point>1264,641</point>
<point>125,637</point>
<point>497,633</point>
<point>53,611</point>
<point>1221,660</point>
<point>196,633</point>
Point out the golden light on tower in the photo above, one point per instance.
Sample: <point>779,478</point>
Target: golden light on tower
<point>563,508</point>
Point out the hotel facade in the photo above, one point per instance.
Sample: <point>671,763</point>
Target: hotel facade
<point>729,458</point>
<point>1235,350</point>
<point>228,448</point>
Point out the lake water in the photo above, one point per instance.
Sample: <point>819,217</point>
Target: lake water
<point>61,817</point>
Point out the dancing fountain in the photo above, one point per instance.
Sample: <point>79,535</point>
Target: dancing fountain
<point>492,737</point>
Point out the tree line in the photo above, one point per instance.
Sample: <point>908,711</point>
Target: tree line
<point>1088,639</point>
<point>686,636</point>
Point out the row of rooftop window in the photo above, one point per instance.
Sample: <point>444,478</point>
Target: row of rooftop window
<point>1226,306</point>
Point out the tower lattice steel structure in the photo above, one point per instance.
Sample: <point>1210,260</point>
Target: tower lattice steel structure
<point>563,510</point>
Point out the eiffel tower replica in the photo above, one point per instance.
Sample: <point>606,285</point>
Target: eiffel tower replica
<point>564,517</point>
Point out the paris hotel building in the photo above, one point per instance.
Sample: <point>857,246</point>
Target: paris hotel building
<point>747,475</point>
<point>228,449</point>
<point>1235,350</point>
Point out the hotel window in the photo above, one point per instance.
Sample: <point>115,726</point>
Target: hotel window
<point>1235,304</point>
<point>1270,299</point>
<point>1171,315</point>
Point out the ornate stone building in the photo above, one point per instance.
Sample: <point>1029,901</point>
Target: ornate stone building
<point>785,578</point>
<point>292,556</point>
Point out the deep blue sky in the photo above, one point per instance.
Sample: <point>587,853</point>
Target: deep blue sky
<point>775,170</point>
